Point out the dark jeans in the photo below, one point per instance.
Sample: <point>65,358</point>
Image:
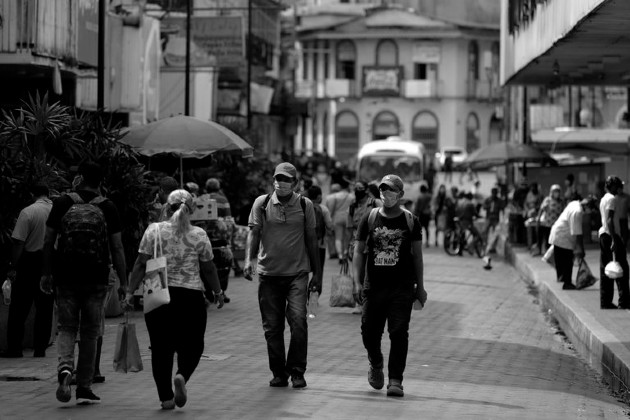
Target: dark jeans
<point>178,327</point>
<point>394,306</point>
<point>543,236</point>
<point>606,288</point>
<point>563,259</point>
<point>79,309</point>
<point>25,291</point>
<point>280,297</point>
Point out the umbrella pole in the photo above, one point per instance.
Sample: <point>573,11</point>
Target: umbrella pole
<point>181,172</point>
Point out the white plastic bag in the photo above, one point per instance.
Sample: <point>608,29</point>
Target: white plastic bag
<point>6,291</point>
<point>613,270</point>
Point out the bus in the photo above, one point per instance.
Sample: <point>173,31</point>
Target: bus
<point>394,155</point>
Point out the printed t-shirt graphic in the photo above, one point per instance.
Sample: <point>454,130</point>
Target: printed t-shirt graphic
<point>387,244</point>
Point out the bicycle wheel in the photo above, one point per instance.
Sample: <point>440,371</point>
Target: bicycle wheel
<point>452,243</point>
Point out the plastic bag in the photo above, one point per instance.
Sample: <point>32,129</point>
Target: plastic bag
<point>6,291</point>
<point>342,289</point>
<point>548,257</point>
<point>585,277</point>
<point>127,352</point>
<point>613,270</point>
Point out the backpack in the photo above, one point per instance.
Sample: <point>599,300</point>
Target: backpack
<point>302,204</point>
<point>320,222</point>
<point>83,236</point>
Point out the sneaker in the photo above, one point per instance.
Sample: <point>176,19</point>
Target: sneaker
<point>279,382</point>
<point>608,306</point>
<point>568,286</point>
<point>98,379</point>
<point>487,263</point>
<point>85,396</point>
<point>395,388</point>
<point>180,390</point>
<point>226,299</point>
<point>168,404</point>
<point>298,380</point>
<point>376,379</point>
<point>64,393</point>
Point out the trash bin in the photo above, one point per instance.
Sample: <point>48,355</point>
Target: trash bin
<point>516,228</point>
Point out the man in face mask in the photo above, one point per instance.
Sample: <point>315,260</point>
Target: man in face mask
<point>283,239</point>
<point>393,281</point>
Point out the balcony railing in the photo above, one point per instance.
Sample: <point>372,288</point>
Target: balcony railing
<point>44,27</point>
<point>483,90</point>
<point>421,88</point>
<point>325,89</point>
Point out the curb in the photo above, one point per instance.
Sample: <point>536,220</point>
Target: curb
<point>593,341</point>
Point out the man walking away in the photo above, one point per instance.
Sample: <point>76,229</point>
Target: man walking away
<point>88,227</point>
<point>422,209</point>
<point>26,270</point>
<point>567,239</point>
<point>610,243</point>
<point>282,237</point>
<point>394,280</point>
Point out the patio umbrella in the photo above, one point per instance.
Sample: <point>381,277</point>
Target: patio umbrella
<point>503,153</point>
<point>185,137</point>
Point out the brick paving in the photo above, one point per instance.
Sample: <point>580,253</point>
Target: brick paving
<point>480,349</point>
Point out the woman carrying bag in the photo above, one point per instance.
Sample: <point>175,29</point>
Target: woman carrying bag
<point>176,319</point>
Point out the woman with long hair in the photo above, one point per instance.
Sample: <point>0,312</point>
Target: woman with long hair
<point>179,326</point>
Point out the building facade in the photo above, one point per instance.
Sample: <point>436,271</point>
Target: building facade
<point>369,72</point>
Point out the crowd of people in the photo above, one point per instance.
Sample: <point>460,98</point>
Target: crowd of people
<point>70,250</point>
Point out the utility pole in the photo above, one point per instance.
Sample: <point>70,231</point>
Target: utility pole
<point>100,71</point>
<point>249,64</point>
<point>187,71</point>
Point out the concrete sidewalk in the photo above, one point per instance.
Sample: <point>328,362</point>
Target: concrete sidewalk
<point>601,337</point>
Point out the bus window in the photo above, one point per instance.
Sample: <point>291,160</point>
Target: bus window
<point>409,168</point>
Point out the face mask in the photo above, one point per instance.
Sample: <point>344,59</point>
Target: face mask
<point>359,194</point>
<point>282,188</point>
<point>389,198</point>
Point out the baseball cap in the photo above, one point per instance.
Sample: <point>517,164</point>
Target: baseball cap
<point>392,181</point>
<point>286,169</point>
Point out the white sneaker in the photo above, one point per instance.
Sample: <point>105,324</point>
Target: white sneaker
<point>487,263</point>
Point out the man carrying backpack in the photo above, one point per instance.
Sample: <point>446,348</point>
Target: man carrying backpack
<point>88,227</point>
<point>283,240</point>
<point>393,280</point>
<point>323,224</point>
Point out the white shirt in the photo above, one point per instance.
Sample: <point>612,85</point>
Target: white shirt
<point>608,202</point>
<point>567,227</point>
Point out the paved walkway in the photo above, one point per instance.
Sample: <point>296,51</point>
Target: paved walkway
<point>480,349</point>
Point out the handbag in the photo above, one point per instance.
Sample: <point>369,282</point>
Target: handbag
<point>585,277</point>
<point>155,293</point>
<point>127,352</point>
<point>342,289</point>
<point>613,269</point>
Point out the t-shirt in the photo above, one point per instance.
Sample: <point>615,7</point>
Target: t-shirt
<point>283,250</point>
<point>339,204</point>
<point>31,225</point>
<point>182,254</point>
<point>77,272</point>
<point>568,225</point>
<point>608,202</point>
<point>389,260</point>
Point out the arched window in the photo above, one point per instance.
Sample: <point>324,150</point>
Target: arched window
<point>385,124</point>
<point>386,53</point>
<point>346,60</point>
<point>425,129</point>
<point>473,60</point>
<point>346,135</point>
<point>472,132</point>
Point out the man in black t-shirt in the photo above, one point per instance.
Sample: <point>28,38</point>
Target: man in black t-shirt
<point>79,271</point>
<point>393,281</point>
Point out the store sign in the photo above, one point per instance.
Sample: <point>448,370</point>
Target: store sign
<point>426,52</point>
<point>382,80</point>
<point>216,41</point>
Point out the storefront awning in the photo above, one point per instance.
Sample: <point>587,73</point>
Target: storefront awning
<point>585,141</point>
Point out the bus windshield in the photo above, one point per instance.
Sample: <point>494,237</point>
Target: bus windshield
<point>375,167</point>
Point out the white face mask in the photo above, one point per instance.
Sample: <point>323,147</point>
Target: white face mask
<point>389,198</point>
<point>283,188</point>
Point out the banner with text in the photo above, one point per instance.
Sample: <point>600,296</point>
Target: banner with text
<point>382,80</point>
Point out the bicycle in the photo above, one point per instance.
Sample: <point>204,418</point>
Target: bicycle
<point>457,239</point>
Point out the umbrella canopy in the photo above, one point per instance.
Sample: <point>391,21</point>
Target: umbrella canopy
<point>503,153</point>
<point>185,137</point>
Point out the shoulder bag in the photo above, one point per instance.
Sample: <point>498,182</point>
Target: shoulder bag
<point>155,279</point>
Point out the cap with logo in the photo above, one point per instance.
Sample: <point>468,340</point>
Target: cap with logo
<point>392,181</point>
<point>285,169</point>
